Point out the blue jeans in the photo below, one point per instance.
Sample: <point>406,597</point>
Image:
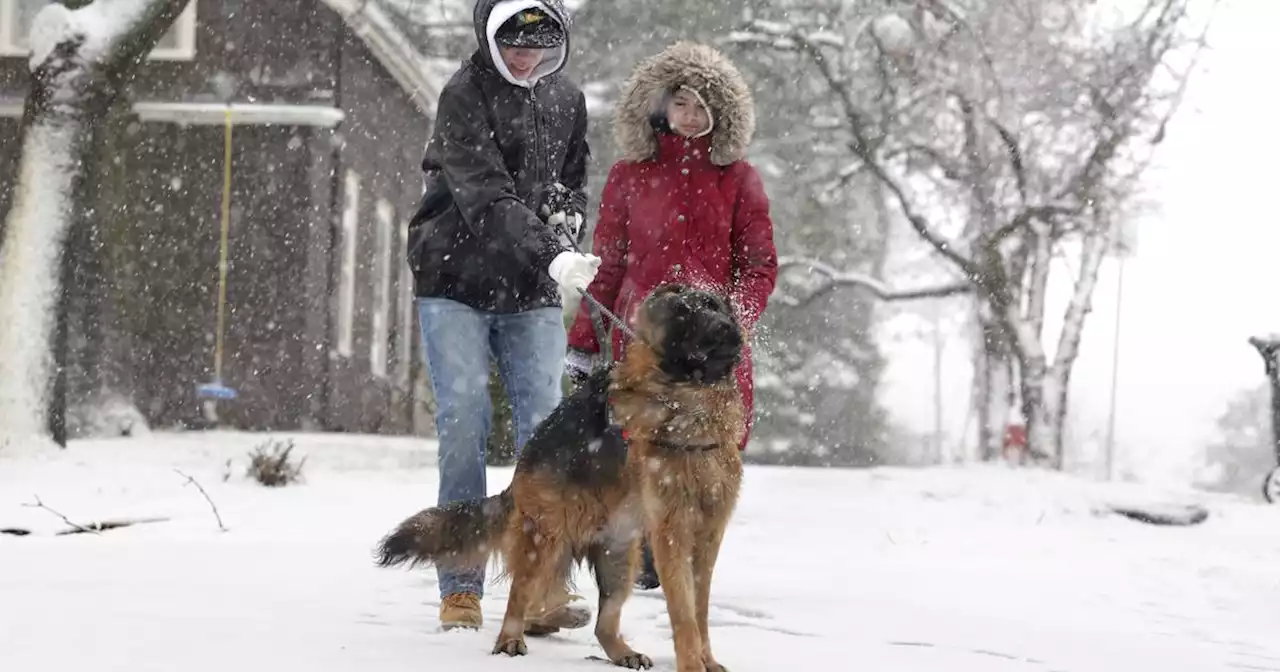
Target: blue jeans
<point>458,341</point>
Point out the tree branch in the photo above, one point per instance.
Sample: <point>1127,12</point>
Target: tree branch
<point>193,481</point>
<point>833,278</point>
<point>1043,213</point>
<point>1014,151</point>
<point>863,145</point>
<point>978,179</point>
<point>40,505</point>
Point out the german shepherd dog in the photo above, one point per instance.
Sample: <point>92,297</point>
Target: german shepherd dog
<point>587,485</point>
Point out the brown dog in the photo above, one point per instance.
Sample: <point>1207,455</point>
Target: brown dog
<point>584,491</point>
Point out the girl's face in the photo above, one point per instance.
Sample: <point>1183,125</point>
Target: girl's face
<point>686,115</point>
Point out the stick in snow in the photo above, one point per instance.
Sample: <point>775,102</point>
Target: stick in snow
<point>40,505</point>
<point>109,525</point>
<point>192,481</point>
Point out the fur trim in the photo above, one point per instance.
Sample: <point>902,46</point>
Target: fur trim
<point>703,69</point>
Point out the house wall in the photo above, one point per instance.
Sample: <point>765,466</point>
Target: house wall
<point>153,318</point>
<point>159,284</point>
<point>9,150</point>
<point>382,140</point>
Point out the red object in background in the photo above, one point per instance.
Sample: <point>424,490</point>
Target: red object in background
<point>1015,442</point>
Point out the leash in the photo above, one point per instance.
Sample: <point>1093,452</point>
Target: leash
<point>594,303</point>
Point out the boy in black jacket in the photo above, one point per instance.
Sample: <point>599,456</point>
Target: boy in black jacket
<point>505,185</point>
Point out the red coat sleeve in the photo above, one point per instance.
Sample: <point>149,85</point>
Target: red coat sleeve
<point>755,258</point>
<point>609,242</point>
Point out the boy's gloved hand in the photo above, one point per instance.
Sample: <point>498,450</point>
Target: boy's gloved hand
<point>578,364</point>
<point>574,271</point>
<point>559,211</point>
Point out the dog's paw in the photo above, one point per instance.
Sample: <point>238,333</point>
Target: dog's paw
<point>634,661</point>
<point>513,646</point>
<point>711,665</point>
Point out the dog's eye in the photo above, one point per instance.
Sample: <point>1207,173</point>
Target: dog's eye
<point>708,302</point>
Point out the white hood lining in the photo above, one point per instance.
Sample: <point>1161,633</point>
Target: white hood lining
<point>711,117</point>
<point>498,16</point>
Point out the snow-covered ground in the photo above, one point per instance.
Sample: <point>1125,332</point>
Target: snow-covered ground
<point>949,569</point>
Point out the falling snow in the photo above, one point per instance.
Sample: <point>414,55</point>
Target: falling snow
<point>946,409</point>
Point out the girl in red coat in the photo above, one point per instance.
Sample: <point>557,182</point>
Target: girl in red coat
<point>683,204</point>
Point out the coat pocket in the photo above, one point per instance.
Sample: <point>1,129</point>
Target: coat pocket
<point>436,202</point>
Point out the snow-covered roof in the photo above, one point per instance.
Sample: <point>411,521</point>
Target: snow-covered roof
<point>418,75</point>
<point>200,114</point>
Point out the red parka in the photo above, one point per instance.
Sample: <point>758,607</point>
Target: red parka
<point>683,210</point>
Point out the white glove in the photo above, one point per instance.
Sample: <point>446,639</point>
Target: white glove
<point>574,271</point>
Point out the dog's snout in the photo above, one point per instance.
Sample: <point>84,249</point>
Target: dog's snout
<point>722,328</point>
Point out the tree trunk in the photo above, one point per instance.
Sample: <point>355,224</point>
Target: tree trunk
<point>53,139</point>
<point>993,383</point>
<point>71,90</point>
<point>1041,253</point>
<point>1044,414</point>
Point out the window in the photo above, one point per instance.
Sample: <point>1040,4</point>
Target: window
<point>408,330</point>
<point>347,274</point>
<point>177,44</point>
<point>379,343</point>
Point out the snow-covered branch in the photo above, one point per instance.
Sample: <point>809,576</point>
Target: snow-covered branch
<point>864,145</point>
<point>832,278</point>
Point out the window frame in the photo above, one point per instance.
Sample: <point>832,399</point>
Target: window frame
<point>380,338</point>
<point>349,264</point>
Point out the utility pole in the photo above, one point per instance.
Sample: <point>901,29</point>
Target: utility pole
<point>1115,373</point>
<point>938,347</point>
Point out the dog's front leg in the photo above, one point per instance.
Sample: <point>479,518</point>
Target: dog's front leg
<point>614,564</point>
<point>705,552</point>
<point>671,535</point>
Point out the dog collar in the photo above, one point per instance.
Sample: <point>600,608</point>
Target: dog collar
<point>669,445</point>
<point>685,447</point>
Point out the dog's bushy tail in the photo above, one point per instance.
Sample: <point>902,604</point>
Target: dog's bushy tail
<point>461,534</point>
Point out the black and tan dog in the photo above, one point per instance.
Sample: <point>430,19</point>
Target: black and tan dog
<point>584,491</point>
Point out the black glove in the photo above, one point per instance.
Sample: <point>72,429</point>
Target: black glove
<point>560,211</point>
<point>579,365</point>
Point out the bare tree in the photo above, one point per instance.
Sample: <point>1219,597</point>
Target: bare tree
<point>1008,134</point>
<point>84,53</point>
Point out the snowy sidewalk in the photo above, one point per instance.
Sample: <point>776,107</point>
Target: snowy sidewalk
<point>884,570</point>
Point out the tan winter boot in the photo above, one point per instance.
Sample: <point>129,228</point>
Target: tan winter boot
<point>560,610</point>
<point>461,610</point>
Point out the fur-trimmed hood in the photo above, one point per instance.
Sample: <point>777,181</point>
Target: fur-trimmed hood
<point>703,69</point>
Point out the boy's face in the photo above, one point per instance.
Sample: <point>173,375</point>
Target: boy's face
<point>686,115</point>
<point>522,60</point>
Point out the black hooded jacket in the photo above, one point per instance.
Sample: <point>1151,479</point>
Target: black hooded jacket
<point>495,147</point>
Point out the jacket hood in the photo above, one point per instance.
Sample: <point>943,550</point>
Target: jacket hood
<point>489,15</point>
<point>716,81</point>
